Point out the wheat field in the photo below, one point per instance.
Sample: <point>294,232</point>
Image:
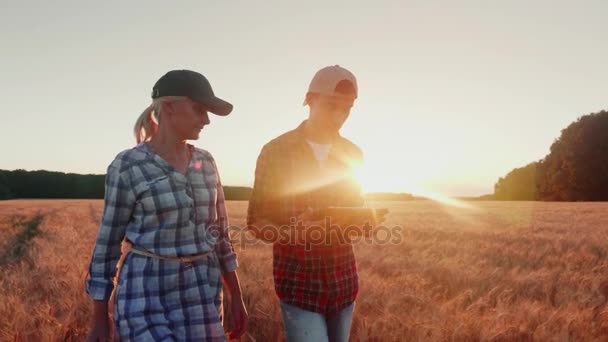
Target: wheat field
<point>486,271</point>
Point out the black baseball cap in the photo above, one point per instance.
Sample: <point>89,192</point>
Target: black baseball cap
<point>193,85</point>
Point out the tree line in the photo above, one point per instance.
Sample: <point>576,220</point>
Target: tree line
<point>50,184</point>
<point>576,168</point>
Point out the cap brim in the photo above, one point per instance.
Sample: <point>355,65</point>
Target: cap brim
<point>217,106</point>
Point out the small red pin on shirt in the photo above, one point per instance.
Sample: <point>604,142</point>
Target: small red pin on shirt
<point>198,164</point>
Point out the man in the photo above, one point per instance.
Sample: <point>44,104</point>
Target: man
<point>299,174</point>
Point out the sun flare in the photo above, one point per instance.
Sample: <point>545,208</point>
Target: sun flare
<point>376,181</point>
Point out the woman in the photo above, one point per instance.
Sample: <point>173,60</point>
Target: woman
<point>165,198</point>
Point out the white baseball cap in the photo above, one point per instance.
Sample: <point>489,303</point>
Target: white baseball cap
<point>330,80</point>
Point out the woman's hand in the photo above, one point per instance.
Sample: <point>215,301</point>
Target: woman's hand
<point>100,322</point>
<point>238,312</point>
<point>240,318</point>
<point>100,332</point>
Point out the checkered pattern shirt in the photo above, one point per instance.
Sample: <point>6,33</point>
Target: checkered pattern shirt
<point>160,210</point>
<point>288,180</point>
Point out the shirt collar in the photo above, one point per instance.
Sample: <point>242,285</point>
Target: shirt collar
<point>301,134</point>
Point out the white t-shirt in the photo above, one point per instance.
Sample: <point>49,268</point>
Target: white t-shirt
<point>321,151</point>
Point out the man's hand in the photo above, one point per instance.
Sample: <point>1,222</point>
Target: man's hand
<point>357,225</point>
<point>307,218</point>
<point>342,228</point>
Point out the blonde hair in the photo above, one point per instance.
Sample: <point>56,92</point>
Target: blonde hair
<point>147,122</point>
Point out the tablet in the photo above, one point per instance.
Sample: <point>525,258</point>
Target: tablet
<point>358,213</point>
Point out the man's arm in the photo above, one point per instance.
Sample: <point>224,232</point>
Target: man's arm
<point>264,202</point>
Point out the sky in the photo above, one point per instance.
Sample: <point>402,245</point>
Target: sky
<point>452,94</point>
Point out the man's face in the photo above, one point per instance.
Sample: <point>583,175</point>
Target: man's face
<point>329,112</point>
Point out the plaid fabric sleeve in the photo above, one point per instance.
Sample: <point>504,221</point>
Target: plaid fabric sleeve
<point>223,248</point>
<point>119,201</point>
<point>265,200</point>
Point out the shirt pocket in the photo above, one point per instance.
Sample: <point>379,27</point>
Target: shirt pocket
<point>204,190</point>
<point>167,200</point>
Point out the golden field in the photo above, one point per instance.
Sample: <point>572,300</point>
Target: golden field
<point>488,271</point>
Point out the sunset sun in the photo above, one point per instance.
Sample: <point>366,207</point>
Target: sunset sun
<point>373,180</point>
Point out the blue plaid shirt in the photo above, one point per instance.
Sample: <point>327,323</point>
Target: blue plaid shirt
<point>159,209</point>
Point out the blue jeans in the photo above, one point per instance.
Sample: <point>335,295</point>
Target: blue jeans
<point>304,326</point>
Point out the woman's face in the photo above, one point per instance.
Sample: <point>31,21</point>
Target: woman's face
<point>186,118</point>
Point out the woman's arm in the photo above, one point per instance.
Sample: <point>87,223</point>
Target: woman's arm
<point>238,311</point>
<point>228,264</point>
<point>118,206</point>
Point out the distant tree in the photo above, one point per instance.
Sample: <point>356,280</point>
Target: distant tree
<point>517,185</point>
<point>17,182</point>
<point>5,191</point>
<point>47,184</point>
<point>237,193</point>
<point>388,196</point>
<point>576,169</point>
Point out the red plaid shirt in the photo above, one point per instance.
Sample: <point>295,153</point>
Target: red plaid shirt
<point>288,180</point>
